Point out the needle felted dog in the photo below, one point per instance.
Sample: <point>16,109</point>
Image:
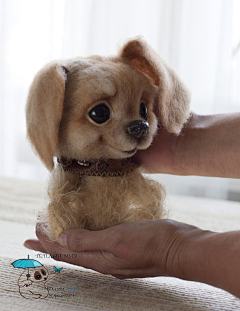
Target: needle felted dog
<point>94,114</point>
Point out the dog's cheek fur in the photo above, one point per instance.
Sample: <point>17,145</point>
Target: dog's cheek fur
<point>79,140</point>
<point>152,120</point>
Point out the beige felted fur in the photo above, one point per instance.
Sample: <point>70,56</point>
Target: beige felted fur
<point>60,123</point>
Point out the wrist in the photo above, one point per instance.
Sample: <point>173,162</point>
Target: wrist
<point>179,244</point>
<point>193,258</point>
<point>186,257</point>
<point>209,146</point>
<point>187,147</point>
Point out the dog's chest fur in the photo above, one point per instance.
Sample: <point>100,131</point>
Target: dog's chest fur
<point>96,203</point>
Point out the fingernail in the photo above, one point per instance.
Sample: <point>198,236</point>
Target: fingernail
<point>62,240</point>
<point>27,245</point>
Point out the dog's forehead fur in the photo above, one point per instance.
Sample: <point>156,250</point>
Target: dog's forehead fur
<point>99,78</point>
<point>90,80</point>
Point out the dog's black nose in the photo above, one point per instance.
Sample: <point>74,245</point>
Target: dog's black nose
<point>138,129</point>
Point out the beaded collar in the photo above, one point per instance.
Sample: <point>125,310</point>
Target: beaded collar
<point>101,168</point>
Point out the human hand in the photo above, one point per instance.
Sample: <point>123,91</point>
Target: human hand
<point>160,157</point>
<point>140,249</point>
<point>201,149</point>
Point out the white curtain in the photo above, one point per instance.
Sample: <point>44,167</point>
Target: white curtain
<point>200,38</point>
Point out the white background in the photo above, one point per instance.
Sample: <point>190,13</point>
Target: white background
<point>199,38</point>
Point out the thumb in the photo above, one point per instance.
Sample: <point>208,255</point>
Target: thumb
<point>82,240</point>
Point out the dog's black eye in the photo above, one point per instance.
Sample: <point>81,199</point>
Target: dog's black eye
<point>100,113</point>
<point>143,111</point>
<point>43,272</point>
<point>37,276</point>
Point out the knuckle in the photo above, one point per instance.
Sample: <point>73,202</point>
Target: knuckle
<point>77,239</point>
<point>75,243</point>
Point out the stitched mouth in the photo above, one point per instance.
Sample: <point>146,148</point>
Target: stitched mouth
<point>131,151</point>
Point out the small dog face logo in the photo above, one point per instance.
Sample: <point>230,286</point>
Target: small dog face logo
<point>39,275</point>
<point>32,281</point>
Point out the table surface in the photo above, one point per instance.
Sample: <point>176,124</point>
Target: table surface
<point>20,202</point>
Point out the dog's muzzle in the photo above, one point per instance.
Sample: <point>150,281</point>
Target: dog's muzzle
<point>138,129</point>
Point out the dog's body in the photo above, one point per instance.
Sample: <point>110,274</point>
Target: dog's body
<point>32,283</point>
<point>99,202</point>
<point>96,109</point>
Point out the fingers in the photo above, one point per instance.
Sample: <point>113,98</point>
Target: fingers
<point>137,275</point>
<point>108,251</point>
<point>35,245</point>
<point>96,260</point>
<point>85,241</point>
<point>79,239</point>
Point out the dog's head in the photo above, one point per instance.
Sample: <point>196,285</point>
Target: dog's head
<point>36,275</point>
<point>104,107</point>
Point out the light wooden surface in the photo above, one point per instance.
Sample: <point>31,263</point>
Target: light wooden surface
<point>19,205</point>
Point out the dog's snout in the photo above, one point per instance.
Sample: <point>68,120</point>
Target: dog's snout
<point>138,129</point>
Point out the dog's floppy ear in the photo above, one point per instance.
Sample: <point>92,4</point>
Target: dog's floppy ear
<point>173,99</point>
<point>44,110</point>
